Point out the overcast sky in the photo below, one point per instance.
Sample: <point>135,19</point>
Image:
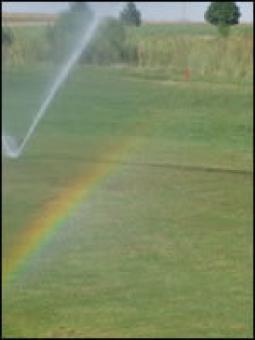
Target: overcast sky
<point>193,11</point>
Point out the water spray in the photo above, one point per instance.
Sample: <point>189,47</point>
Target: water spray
<point>10,147</point>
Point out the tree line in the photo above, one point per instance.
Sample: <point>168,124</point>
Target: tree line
<point>221,14</point>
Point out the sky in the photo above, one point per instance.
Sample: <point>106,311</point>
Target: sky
<point>153,11</point>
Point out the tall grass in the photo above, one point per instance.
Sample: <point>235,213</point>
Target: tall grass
<point>205,56</point>
<point>29,46</point>
<point>167,48</point>
<point>162,29</point>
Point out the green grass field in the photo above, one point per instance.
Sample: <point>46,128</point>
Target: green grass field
<point>198,29</point>
<point>162,247</point>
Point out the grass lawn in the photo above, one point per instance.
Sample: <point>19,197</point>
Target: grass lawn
<point>162,245</point>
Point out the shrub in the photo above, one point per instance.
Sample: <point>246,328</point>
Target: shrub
<point>109,44</point>
<point>7,37</point>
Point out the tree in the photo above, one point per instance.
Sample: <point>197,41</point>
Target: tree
<point>223,15</point>
<point>69,29</point>
<point>130,15</point>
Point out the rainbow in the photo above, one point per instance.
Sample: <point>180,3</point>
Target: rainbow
<point>55,213</point>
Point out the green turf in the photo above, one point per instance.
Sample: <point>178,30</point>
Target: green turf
<point>160,248</point>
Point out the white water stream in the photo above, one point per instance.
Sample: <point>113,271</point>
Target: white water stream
<point>10,147</point>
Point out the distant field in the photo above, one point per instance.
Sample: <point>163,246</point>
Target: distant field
<point>23,19</point>
<point>147,28</point>
<point>162,245</point>
<point>162,29</point>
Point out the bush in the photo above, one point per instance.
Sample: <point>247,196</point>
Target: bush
<point>109,44</point>
<point>7,36</point>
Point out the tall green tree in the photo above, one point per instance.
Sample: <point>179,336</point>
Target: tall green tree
<point>68,29</point>
<point>223,15</point>
<point>131,15</point>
